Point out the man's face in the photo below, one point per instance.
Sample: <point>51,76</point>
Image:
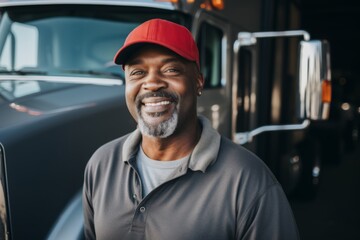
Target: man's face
<point>161,90</point>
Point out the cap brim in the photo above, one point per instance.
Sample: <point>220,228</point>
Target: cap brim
<point>125,52</point>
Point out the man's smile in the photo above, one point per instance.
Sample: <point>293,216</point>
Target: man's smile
<point>157,105</point>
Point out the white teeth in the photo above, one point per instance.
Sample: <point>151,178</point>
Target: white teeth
<point>157,103</point>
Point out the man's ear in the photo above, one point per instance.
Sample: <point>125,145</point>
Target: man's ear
<point>200,83</point>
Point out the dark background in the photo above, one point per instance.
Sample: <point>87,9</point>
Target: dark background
<point>338,21</point>
<point>334,214</point>
<point>335,211</point>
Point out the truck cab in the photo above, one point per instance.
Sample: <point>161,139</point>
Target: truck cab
<point>61,96</point>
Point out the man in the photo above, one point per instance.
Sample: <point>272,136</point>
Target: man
<point>175,177</point>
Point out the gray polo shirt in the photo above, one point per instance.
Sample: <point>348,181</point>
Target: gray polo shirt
<point>225,192</point>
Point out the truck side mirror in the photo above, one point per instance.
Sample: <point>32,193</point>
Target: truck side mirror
<point>314,80</point>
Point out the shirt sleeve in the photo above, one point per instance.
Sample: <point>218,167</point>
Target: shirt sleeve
<point>89,230</point>
<point>269,217</point>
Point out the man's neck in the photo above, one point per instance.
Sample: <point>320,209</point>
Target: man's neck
<point>174,147</point>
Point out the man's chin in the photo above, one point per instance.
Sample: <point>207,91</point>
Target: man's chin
<point>158,126</point>
<point>154,121</point>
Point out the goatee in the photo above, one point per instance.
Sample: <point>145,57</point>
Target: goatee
<point>163,129</point>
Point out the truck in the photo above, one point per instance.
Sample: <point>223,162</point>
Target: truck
<point>61,96</point>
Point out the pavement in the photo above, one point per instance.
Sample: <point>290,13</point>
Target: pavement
<point>335,211</point>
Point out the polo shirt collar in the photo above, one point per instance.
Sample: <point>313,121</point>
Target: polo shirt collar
<point>206,150</point>
<point>203,155</point>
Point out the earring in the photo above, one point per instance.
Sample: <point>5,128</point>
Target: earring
<point>199,93</point>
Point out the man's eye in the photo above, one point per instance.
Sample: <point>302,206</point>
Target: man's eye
<point>172,70</point>
<point>136,72</point>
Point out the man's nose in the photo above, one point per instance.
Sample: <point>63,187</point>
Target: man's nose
<point>154,82</point>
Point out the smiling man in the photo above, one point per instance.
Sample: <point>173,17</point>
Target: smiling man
<point>175,177</point>
<point>160,86</point>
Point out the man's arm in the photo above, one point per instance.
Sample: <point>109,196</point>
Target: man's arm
<point>89,230</point>
<point>269,217</point>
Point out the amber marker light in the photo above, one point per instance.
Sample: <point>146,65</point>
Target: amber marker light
<point>326,91</point>
<point>218,4</point>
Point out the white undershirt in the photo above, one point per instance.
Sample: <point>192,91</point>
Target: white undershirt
<point>153,173</point>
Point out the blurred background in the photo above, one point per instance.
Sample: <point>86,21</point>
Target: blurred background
<point>334,212</point>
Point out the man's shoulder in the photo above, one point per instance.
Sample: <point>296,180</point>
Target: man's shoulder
<point>241,162</point>
<point>237,153</point>
<point>108,152</point>
<point>113,144</point>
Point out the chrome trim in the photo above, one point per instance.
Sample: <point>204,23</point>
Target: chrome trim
<point>293,33</point>
<point>249,39</point>
<point>154,4</point>
<point>247,137</point>
<point>63,79</point>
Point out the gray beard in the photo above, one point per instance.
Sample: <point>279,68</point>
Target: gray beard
<point>162,130</point>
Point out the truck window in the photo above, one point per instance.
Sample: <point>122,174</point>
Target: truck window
<point>210,47</point>
<point>25,38</point>
<point>67,41</point>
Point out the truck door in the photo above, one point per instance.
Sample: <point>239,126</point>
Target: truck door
<point>211,35</point>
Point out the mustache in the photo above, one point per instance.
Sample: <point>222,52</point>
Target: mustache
<point>161,93</point>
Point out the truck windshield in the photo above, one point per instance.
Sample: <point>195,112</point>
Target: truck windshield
<point>60,42</point>
<point>66,39</point>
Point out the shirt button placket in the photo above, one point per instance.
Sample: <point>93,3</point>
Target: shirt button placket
<point>139,220</point>
<point>135,198</point>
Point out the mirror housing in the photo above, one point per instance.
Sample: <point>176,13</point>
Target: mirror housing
<point>314,80</point>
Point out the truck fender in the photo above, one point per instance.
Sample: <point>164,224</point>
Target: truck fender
<point>70,223</point>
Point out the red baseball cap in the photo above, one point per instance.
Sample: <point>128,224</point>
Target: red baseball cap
<point>170,35</point>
